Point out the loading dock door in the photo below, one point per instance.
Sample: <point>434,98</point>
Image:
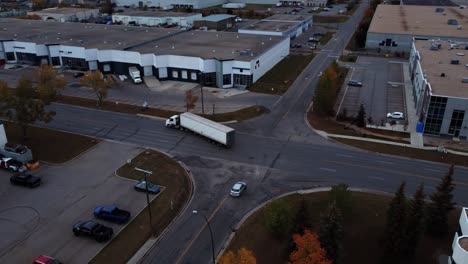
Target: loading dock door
<point>147,70</point>
<point>92,65</point>
<point>162,73</point>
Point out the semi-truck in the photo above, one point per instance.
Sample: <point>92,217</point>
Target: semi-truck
<point>215,132</point>
<point>134,73</point>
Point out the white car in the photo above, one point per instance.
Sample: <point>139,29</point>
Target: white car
<point>238,189</point>
<point>396,115</point>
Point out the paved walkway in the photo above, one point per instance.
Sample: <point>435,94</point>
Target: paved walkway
<point>416,138</point>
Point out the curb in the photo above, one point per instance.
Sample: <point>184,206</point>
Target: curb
<point>141,254</point>
<point>300,192</point>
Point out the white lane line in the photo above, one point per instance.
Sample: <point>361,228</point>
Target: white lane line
<point>326,50</point>
<point>436,170</point>
<point>386,162</point>
<point>376,178</point>
<point>327,169</point>
<point>342,155</point>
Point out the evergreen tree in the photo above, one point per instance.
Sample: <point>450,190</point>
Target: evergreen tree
<point>301,221</point>
<point>415,221</point>
<point>440,206</point>
<point>395,230</point>
<point>331,231</point>
<point>361,117</point>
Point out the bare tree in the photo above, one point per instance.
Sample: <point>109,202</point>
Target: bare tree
<point>100,86</point>
<point>190,100</point>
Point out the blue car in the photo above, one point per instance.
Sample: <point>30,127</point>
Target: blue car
<point>152,188</point>
<point>112,213</point>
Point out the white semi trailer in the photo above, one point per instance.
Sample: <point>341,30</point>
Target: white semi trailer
<point>134,73</point>
<point>213,131</point>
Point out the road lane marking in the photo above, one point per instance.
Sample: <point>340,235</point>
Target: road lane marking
<point>327,169</point>
<point>386,162</point>
<point>342,155</point>
<point>436,170</point>
<point>395,171</point>
<point>200,231</point>
<point>376,178</point>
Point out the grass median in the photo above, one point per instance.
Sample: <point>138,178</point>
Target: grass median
<point>365,220</point>
<point>279,78</point>
<point>325,38</point>
<point>49,145</point>
<point>239,115</point>
<point>166,172</point>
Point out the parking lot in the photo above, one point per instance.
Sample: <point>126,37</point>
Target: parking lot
<point>382,88</point>
<point>39,221</point>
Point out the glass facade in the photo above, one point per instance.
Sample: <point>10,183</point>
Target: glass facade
<point>456,122</point>
<point>435,115</point>
<point>243,79</point>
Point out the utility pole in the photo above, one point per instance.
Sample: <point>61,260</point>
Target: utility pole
<point>147,172</point>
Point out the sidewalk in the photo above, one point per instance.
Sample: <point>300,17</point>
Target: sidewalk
<point>416,138</point>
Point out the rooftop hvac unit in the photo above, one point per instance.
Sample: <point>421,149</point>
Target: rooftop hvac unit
<point>465,80</point>
<point>452,22</point>
<point>454,61</point>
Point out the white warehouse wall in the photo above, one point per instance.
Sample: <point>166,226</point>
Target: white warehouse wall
<point>270,58</point>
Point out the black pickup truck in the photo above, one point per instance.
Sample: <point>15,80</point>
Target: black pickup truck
<point>92,229</point>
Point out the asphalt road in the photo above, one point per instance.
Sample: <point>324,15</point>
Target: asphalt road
<point>274,154</point>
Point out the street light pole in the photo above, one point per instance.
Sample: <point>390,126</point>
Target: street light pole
<point>146,172</point>
<point>211,235</point>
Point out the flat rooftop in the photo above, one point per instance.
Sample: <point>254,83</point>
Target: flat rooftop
<point>154,14</point>
<point>287,17</point>
<point>420,21</point>
<point>436,62</point>
<point>146,40</point>
<point>62,11</point>
<point>217,17</point>
<point>208,45</point>
<point>271,26</point>
<point>79,34</point>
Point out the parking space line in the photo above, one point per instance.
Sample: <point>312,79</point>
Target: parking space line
<point>327,169</point>
<point>376,178</point>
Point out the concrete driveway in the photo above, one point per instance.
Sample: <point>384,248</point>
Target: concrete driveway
<point>39,221</point>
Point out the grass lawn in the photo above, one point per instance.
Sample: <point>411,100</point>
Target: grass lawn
<point>348,58</point>
<point>280,77</point>
<point>325,38</point>
<point>49,145</point>
<point>352,43</point>
<point>239,115</point>
<point>168,173</point>
<point>329,19</point>
<point>363,226</point>
<point>430,155</point>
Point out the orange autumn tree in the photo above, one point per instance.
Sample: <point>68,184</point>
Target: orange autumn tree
<point>308,250</point>
<point>242,256</point>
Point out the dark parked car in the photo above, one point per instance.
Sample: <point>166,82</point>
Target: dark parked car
<point>355,83</point>
<point>152,188</point>
<point>17,148</point>
<point>111,213</point>
<point>92,229</point>
<point>24,179</point>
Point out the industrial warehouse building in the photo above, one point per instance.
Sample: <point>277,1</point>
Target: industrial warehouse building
<point>66,14</point>
<point>394,26</point>
<point>154,18</point>
<point>165,4</point>
<point>218,22</point>
<point>280,25</point>
<point>219,59</point>
<point>439,74</point>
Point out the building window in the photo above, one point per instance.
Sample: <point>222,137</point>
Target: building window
<point>55,61</point>
<point>456,122</point>
<point>435,115</point>
<point>226,79</point>
<point>26,57</point>
<point>74,63</point>
<point>193,76</point>
<point>244,80</point>
<point>10,56</point>
<point>184,75</point>
<point>210,78</point>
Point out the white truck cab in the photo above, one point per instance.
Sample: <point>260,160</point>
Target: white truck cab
<point>173,121</point>
<point>134,73</point>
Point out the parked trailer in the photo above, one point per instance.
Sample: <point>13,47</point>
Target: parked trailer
<point>215,132</point>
